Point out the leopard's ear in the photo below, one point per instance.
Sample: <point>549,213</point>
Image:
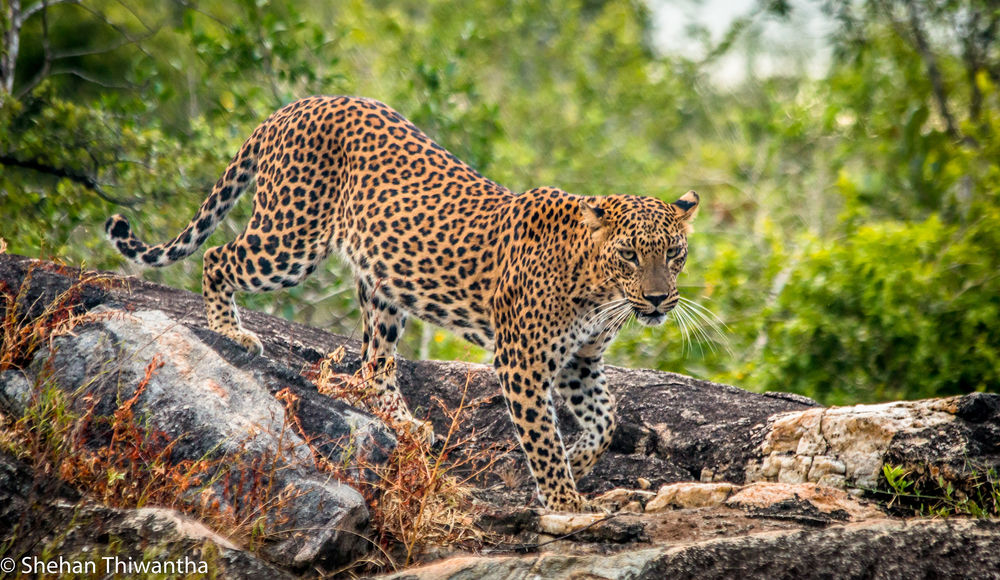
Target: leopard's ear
<point>593,216</point>
<point>687,206</point>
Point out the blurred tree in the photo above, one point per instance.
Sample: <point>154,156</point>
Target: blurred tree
<point>895,311</point>
<point>844,238</point>
<point>859,307</point>
<point>115,104</point>
<point>914,84</point>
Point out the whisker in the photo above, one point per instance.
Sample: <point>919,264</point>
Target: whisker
<point>622,320</point>
<point>604,311</point>
<point>698,307</point>
<point>699,330</point>
<point>705,324</point>
<point>614,322</point>
<point>605,305</point>
<point>713,324</point>
<point>681,318</point>
<point>703,337</point>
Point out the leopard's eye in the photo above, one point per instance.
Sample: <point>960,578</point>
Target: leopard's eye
<point>629,256</point>
<point>673,252</point>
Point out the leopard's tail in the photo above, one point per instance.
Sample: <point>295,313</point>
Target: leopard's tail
<point>227,190</point>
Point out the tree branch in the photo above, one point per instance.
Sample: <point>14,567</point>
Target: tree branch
<point>930,61</point>
<point>35,8</point>
<point>103,50</point>
<point>51,56</point>
<point>971,56</point>
<point>81,75</point>
<point>12,18</point>
<point>268,57</point>
<point>46,49</point>
<point>138,18</point>
<point>83,179</point>
<point>120,30</point>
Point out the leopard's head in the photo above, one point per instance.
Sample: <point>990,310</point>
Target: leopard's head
<point>642,247</point>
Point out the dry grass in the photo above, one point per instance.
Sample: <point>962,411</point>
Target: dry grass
<point>23,333</point>
<point>123,462</point>
<point>422,495</point>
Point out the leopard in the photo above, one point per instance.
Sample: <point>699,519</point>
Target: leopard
<point>544,279</point>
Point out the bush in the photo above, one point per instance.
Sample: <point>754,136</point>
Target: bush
<point>893,311</point>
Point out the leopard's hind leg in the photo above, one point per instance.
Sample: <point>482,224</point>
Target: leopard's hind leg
<point>269,254</point>
<point>383,323</point>
<point>246,265</point>
<point>218,285</point>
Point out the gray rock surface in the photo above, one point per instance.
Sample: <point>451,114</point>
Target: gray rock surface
<point>874,549</point>
<point>214,410</point>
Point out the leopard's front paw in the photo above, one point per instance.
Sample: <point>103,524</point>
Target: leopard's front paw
<point>570,502</point>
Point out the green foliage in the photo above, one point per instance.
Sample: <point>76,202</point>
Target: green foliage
<point>979,498</point>
<point>847,240</point>
<point>896,477</point>
<point>883,331</point>
<point>892,310</point>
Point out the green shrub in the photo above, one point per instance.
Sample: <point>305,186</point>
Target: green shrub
<point>893,311</point>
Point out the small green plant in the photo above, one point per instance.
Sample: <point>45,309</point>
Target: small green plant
<point>977,495</point>
<point>896,477</point>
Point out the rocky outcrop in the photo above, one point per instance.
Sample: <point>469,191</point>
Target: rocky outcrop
<point>703,479</point>
<point>876,549</point>
<point>847,446</point>
<point>215,405</point>
<point>213,411</point>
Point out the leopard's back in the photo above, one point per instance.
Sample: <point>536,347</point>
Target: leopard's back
<point>417,225</point>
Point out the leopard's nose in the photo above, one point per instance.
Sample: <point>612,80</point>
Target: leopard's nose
<point>655,299</point>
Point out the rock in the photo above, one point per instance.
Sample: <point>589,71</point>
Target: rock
<point>562,524</point>
<point>690,495</point>
<point>804,501</point>
<point>19,490</point>
<point>671,428</point>
<point>213,410</point>
<point>623,499</point>
<point>324,524</point>
<point>15,391</point>
<point>45,520</point>
<point>142,523</point>
<point>592,527</point>
<point>694,425</point>
<point>874,549</point>
<point>847,446</point>
<point>744,480</point>
<point>822,504</point>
